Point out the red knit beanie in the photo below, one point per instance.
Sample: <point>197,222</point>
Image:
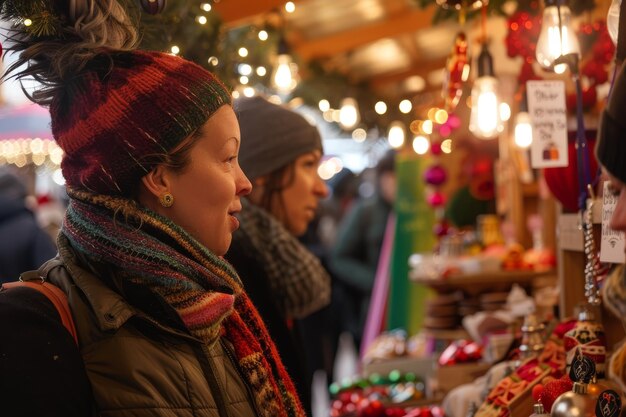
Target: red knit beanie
<point>124,110</point>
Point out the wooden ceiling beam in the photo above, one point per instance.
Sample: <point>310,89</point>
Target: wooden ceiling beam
<point>421,68</point>
<point>238,12</point>
<point>346,41</point>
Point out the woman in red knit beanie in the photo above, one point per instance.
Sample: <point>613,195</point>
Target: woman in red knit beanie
<point>150,141</point>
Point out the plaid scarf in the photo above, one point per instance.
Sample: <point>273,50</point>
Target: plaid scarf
<point>299,281</point>
<point>202,289</point>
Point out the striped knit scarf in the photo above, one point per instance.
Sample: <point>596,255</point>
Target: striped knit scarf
<point>149,250</point>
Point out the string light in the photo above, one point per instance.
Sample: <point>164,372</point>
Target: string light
<point>405,106</point>
<point>202,20</point>
<point>175,50</point>
<point>263,35</point>
<point>359,135</point>
<point>396,134</point>
<point>261,71</point>
<point>349,113</point>
<point>243,79</point>
<point>421,144</point>
<point>213,60</point>
<point>243,52</point>
<point>380,107</point>
<point>206,7</point>
<point>290,7</point>
<point>323,105</point>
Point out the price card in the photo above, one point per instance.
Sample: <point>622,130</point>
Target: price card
<point>548,114</point>
<point>612,242</point>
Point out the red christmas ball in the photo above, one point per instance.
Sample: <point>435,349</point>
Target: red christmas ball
<point>552,390</point>
<point>536,392</point>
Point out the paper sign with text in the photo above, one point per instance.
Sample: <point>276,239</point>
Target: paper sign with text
<point>546,105</point>
<point>612,242</point>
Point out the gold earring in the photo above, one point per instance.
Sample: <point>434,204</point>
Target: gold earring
<point>166,200</point>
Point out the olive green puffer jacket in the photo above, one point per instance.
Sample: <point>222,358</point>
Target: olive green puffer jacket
<point>140,367</point>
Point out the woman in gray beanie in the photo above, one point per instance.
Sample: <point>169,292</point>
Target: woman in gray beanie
<point>280,153</point>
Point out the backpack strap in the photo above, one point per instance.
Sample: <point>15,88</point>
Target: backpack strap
<point>37,281</point>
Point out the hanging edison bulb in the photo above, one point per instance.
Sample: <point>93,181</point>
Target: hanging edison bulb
<point>612,20</point>
<point>557,37</point>
<point>523,127</point>
<point>485,120</point>
<point>286,71</point>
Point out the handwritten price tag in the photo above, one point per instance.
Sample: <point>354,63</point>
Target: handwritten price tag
<point>546,105</point>
<point>612,241</point>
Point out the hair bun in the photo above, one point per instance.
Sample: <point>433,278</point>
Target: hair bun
<point>78,31</point>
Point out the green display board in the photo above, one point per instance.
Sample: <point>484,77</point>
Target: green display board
<point>414,233</point>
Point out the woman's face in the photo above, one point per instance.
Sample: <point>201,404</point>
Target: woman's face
<point>296,204</point>
<point>618,188</point>
<point>207,192</point>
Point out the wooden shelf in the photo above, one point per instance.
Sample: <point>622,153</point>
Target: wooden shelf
<point>495,281</point>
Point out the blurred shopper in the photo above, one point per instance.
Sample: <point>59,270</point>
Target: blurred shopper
<point>280,153</point>
<point>354,258</point>
<point>24,245</point>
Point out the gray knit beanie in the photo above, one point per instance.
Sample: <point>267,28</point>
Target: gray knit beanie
<point>271,136</point>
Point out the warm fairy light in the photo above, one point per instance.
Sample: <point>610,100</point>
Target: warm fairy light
<point>261,71</point>
<point>427,127</point>
<point>206,7</point>
<point>213,61</point>
<point>446,146</point>
<point>396,134</point>
<point>202,20</point>
<point>328,168</point>
<point>380,107</point>
<point>432,112</point>
<point>236,94</point>
<point>323,105</point>
<point>290,7</point>
<point>243,52</point>
<point>421,144</point>
<point>249,92</point>
<point>263,35</point>
<point>28,22</point>
<point>175,50</point>
<point>349,115</point>
<point>359,135</point>
<point>244,69</point>
<point>405,106</point>
<point>441,116</point>
<point>57,177</point>
<point>244,80</point>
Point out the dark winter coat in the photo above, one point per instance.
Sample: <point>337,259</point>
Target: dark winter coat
<point>23,244</point>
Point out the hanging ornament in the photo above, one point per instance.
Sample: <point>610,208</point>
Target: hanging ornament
<point>456,72</point>
<point>552,390</point>
<point>586,338</point>
<point>609,404</point>
<point>152,6</point>
<point>577,402</point>
<point>532,337</point>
